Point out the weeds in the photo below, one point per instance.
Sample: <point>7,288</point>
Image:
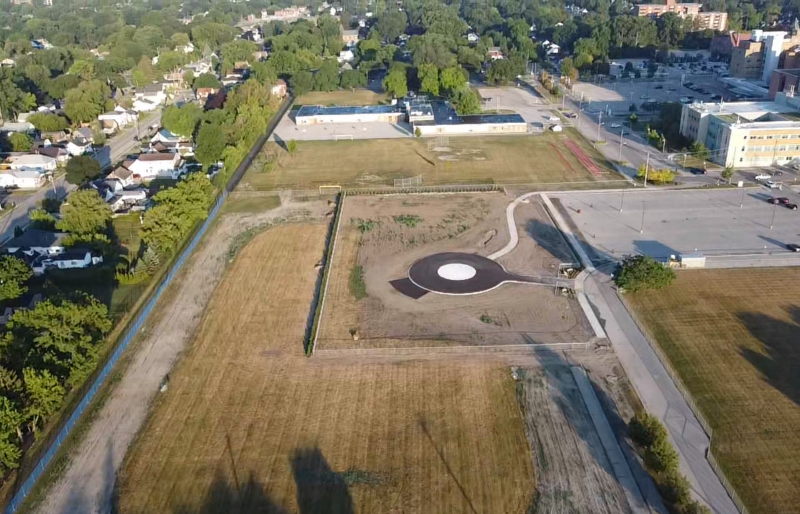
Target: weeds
<point>364,226</point>
<point>358,288</point>
<point>408,220</point>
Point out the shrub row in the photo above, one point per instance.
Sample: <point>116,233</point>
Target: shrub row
<point>663,463</point>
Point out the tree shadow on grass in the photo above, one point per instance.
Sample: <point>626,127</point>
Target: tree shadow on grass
<point>781,340</point>
<point>320,490</point>
<point>224,497</point>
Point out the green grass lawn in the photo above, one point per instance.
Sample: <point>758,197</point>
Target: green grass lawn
<point>250,203</point>
<point>733,336</point>
<point>516,159</point>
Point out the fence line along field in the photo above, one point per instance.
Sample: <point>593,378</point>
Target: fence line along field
<point>250,425</point>
<point>465,160</point>
<point>733,336</point>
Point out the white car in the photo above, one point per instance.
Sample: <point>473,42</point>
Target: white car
<point>685,100</point>
<point>553,118</point>
<point>616,125</point>
<point>772,185</point>
<point>763,176</point>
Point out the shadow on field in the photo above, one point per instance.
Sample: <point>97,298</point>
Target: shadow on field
<point>550,239</point>
<point>234,498</point>
<point>779,366</point>
<point>320,490</point>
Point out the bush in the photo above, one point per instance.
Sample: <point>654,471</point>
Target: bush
<point>357,286</point>
<point>661,457</point>
<point>645,429</point>
<point>641,272</point>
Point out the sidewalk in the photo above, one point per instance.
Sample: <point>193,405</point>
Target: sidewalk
<point>652,382</point>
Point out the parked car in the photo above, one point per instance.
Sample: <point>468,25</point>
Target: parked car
<point>570,115</point>
<point>658,87</point>
<point>685,100</point>
<point>774,201</point>
<point>783,200</point>
<point>772,185</point>
<point>616,125</point>
<point>697,171</point>
<point>793,247</point>
<point>553,118</point>
<point>763,176</point>
<point>791,206</point>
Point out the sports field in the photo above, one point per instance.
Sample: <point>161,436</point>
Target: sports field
<point>465,160</point>
<point>250,425</point>
<point>734,338</point>
<point>356,97</point>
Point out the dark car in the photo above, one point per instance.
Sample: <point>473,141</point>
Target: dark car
<point>774,201</point>
<point>793,247</point>
<point>697,171</point>
<point>783,200</point>
<point>791,206</point>
<point>658,87</point>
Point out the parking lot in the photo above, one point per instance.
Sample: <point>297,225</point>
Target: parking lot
<point>664,223</point>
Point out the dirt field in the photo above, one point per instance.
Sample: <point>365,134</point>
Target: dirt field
<point>733,336</point>
<point>373,241</point>
<point>357,97</point>
<point>464,160</point>
<point>249,425</point>
<point>87,482</point>
<point>573,472</point>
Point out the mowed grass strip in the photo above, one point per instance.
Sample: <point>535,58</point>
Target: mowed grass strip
<point>734,338</point>
<point>466,160</point>
<point>249,425</point>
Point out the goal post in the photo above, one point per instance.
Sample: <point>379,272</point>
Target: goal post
<point>408,182</point>
<point>331,189</point>
<point>340,137</point>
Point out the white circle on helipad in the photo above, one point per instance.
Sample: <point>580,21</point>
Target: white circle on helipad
<point>456,271</point>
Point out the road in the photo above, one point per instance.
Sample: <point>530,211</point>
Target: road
<point>115,150</point>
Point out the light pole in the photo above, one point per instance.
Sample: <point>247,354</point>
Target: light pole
<point>646,169</point>
<point>741,203</point>
<point>599,124</point>
<point>772,221</point>
<point>622,201</point>
<point>644,209</point>
<point>621,139</point>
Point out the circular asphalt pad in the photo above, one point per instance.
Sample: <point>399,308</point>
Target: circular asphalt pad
<point>459,273</point>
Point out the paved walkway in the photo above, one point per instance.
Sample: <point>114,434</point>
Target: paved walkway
<point>652,382</point>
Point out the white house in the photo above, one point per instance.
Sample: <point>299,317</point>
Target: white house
<point>74,258</point>
<point>494,53</point>
<point>152,93</point>
<point>128,198</point>
<point>345,56</point>
<point>473,37</point>
<point>144,105</point>
<point>187,48</point>
<point>32,162</point>
<point>165,136</point>
<point>198,67</point>
<point>21,179</point>
<point>279,89</point>
<point>7,63</point>
<point>148,166</point>
<point>117,119</point>
<point>37,242</point>
<point>78,146</point>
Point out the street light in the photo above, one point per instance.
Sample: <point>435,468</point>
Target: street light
<point>622,201</point>
<point>772,221</point>
<point>644,209</point>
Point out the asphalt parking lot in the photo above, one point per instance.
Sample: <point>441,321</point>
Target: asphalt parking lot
<point>288,130</point>
<point>664,223</point>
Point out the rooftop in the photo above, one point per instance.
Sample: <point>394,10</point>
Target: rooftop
<point>444,114</point>
<point>35,237</point>
<point>318,110</point>
<point>157,156</point>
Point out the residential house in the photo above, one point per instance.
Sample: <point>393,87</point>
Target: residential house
<point>22,127</point>
<point>345,56</point>
<point>37,242</point>
<point>233,77</point>
<point>58,136</point>
<point>117,119</point>
<point>279,89</point>
<point>165,141</point>
<point>78,146</point>
<point>253,35</point>
<point>198,67</point>
<point>473,37</point>
<point>74,258</point>
<point>21,179</point>
<point>217,100</point>
<point>203,93</point>
<point>186,49</point>
<point>154,93</point>
<point>350,37</point>
<point>41,44</point>
<point>84,133</point>
<point>134,198</point>
<point>148,166</point>
<point>165,136</point>
<point>32,162</point>
<point>241,66</point>
<point>47,108</point>
<point>7,63</point>
<point>122,175</point>
<point>175,78</point>
<point>260,55</point>
<point>145,105</point>
<point>345,67</point>
<point>57,152</point>
<point>494,53</point>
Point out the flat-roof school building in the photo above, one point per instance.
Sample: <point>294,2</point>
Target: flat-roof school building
<point>316,114</point>
<point>431,118</point>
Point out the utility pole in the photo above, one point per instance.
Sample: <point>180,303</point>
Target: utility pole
<point>599,124</point>
<point>621,139</point>
<point>644,209</point>
<point>772,221</point>
<point>663,145</point>
<point>646,169</point>
<point>622,201</point>
<point>741,203</point>
<point>684,160</point>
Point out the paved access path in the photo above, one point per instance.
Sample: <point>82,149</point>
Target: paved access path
<point>653,384</point>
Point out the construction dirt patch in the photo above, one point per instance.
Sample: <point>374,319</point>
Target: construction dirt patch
<point>381,236</point>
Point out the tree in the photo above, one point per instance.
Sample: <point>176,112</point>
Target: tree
<point>211,143</point>
<point>177,210</point>
<point>504,70</point>
<point>82,168</point>
<point>182,121</point>
<point>670,29</point>
<point>453,79</point>
<point>12,99</point>
<point>568,69</point>
<point>466,101</point>
<point>302,82</point>
<point>291,146</point>
<point>640,272</point>
<point>84,213</point>
<point>206,80</point>
<point>727,173</point>
<point>429,79</point>
<point>327,77</point>
<point>700,150</point>
<point>10,421</point>
<point>264,72</point>
<point>350,79</point>
<point>236,51</point>
<point>13,275</point>
<point>391,25</point>
<point>87,101</point>
<point>48,122</point>
<point>395,83</point>
<point>20,142</point>
<point>43,395</point>
<point>83,68</point>
<point>417,132</point>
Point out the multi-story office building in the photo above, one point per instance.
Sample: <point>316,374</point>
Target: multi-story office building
<point>746,134</point>
<point>705,20</point>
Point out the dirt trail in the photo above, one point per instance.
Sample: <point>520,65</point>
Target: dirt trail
<point>86,485</point>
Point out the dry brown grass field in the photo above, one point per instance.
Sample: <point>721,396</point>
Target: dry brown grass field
<point>249,425</point>
<point>465,160</point>
<point>356,97</point>
<point>734,338</point>
<point>372,240</point>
